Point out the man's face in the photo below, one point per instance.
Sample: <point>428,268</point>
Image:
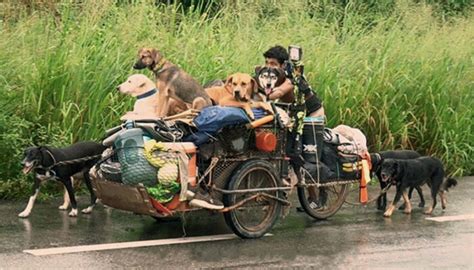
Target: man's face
<point>272,62</point>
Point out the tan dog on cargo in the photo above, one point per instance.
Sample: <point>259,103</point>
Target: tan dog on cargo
<point>238,91</point>
<point>146,105</point>
<point>172,82</point>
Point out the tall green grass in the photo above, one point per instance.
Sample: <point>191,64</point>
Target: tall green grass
<point>404,77</point>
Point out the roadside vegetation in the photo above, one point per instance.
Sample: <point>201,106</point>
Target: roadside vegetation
<point>401,71</point>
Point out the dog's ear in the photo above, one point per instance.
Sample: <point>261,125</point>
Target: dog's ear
<point>396,169</point>
<point>229,79</point>
<point>35,152</point>
<point>155,55</point>
<point>228,83</point>
<point>254,86</point>
<point>258,69</point>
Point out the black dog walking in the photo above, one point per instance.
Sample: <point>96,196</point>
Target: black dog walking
<point>49,163</point>
<point>377,160</point>
<point>412,173</point>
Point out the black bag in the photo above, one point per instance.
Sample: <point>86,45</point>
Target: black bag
<point>161,131</point>
<point>342,166</point>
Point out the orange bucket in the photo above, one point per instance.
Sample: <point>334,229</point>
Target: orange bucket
<point>265,141</point>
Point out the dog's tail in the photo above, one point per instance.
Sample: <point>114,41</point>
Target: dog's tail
<point>450,182</point>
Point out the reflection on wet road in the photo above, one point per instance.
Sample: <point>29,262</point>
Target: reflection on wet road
<point>356,237</point>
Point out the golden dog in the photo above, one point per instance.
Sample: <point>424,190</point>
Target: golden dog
<point>238,91</point>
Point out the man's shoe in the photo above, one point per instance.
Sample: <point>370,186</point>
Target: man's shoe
<point>312,204</point>
<point>204,200</point>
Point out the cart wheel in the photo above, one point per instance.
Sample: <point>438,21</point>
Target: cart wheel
<point>323,202</point>
<point>256,217</point>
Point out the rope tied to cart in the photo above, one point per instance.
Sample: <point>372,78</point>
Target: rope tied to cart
<point>382,192</point>
<point>67,162</point>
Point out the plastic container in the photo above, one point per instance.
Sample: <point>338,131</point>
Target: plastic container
<point>312,138</point>
<point>265,141</point>
<point>134,165</point>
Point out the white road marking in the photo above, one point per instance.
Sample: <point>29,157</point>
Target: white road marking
<point>451,218</point>
<point>135,244</point>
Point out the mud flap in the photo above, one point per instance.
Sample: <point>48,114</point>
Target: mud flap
<point>124,197</point>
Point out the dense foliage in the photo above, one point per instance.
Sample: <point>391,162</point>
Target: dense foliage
<point>401,71</point>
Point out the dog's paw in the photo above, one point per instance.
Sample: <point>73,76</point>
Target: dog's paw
<point>24,214</point>
<point>63,207</point>
<point>126,116</point>
<point>407,211</point>
<point>421,205</point>
<point>87,210</point>
<point>387,214</point>
<point>73,213</point>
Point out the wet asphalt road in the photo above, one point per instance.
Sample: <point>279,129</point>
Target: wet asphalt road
<point>355,238</point>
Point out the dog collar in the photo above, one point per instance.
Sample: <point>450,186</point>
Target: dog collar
<point>160,65</point>
<point>147,94</point>
<point>52,157</point>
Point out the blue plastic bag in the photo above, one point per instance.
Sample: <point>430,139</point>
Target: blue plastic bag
<point>212,119</point>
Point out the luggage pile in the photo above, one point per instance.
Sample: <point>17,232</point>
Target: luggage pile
<point>333,154</point>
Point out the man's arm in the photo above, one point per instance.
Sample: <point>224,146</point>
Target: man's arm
<point>282,90</point>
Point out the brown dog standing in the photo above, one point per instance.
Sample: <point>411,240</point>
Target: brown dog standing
<point>238,91</point>
<point>172,82</point>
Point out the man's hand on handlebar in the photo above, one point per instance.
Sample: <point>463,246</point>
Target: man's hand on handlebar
<point>304,86</point>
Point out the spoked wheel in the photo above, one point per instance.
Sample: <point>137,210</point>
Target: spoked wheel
<point>259,213</point>
<point>322,202</point>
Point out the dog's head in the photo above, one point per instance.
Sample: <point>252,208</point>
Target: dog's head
<point>389,170</point>
<point>148,58</point>
<point>269,78</point>
<point>376,161</point>
<point>32,157</point>
<point>242,86</point>
<point>135,85</point>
